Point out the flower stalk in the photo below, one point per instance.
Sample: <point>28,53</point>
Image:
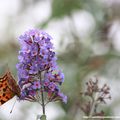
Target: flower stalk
<point>94,103</point>
<point>42,94</point>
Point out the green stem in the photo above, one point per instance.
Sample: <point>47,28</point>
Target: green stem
<point>93,106</point>
<point>43,117</point>
<point>43,104</point>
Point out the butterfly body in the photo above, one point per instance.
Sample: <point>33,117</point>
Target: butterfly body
<point>8,88</point>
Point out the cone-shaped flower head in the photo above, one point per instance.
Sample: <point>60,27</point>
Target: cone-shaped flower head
<point>37,67</point>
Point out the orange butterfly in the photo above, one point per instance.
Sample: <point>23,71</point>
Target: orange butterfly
<point>8,88</point>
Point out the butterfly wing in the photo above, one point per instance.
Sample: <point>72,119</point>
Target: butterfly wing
<point>8,88</point>
<point>5,92</point>
<point>13,84</point>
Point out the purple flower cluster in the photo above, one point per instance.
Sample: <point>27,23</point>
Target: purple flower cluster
<point>37,67</point>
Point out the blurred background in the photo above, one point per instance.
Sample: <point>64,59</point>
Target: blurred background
<point>86,37</point>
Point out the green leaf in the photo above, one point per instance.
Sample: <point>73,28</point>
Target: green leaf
<point>43,117</point>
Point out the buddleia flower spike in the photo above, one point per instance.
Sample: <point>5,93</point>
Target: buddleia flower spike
<point>39,76</point>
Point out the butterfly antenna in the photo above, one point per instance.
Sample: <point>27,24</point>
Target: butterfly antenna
<point>13,106</point>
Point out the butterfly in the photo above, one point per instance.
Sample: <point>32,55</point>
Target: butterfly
<point>8,87</point>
